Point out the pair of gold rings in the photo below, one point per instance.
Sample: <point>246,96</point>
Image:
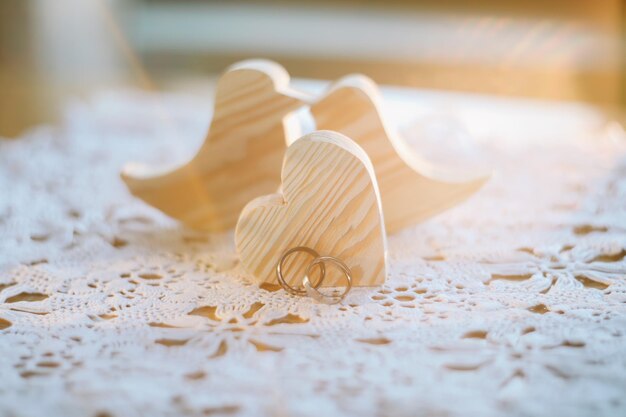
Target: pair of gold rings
<point>309,288</point>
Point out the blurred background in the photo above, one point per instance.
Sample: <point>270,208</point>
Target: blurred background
<point>572,50</point>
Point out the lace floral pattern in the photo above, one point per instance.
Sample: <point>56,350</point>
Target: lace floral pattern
<point>511,304</point>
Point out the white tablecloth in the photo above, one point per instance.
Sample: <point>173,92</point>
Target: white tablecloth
<point>512,304</point>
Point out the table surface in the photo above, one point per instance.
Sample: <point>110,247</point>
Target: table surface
<point>513,303</point>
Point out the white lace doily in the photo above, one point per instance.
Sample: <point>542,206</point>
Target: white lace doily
<point>512,304</point>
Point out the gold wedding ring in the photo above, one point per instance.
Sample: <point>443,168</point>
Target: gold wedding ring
<point>308,288</point>
<point>279,272</point>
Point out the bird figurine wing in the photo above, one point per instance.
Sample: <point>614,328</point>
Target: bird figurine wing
<point>412,189</point>
<point>240,158</point>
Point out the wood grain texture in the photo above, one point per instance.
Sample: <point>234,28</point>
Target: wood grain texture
<point>329,202</point>
<point>412,189</point>
<point>240,158</point>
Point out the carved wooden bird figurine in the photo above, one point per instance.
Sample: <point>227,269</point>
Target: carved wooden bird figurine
<point>412,189</point>
<point>241,157</point>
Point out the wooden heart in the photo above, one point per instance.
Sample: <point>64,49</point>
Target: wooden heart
<point>411,188</point>
<point>241,155</point>
<point>329,202</point>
